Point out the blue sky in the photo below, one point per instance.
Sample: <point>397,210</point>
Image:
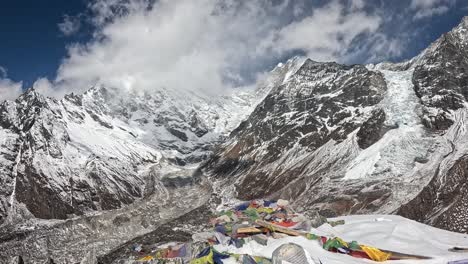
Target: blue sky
<point>90,40</point>
<point>32,45</point>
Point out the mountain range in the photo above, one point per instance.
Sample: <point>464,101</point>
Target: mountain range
<point>387,138</point>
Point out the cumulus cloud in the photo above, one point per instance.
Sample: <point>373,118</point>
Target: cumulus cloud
<point>326,34</point>
<point>357,4</point>
<point>45,87</point>
<point>3,72</point>
<point>70,25</point>
<point>382,48</point>
<point>9,90</point>
<point>429,8</point>
<point>208,45</point>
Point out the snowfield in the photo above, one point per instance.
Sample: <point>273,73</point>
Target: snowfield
<point>388,232</point>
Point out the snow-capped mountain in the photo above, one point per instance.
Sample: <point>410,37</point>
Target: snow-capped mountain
<point>106,149</point>
<point>338,139</point>
<point>387,138</point>
<point>93,151</point>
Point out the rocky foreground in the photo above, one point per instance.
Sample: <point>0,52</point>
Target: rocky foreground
<point>265,232</point>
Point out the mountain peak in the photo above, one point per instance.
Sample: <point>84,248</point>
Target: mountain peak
<point>31,92</point>
<point>459,34</point>
<point>31,97</point>
<point>464,21</point>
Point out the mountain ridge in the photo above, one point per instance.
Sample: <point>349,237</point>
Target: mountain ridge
<point>333,139</point>
<point>91,136</point>
<point>383,161</point>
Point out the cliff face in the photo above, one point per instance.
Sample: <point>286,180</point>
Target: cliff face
<point>441,81</point>
<point>318,103</point>
<point>440,78</point>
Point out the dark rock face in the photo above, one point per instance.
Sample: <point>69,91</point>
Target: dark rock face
<point>196,125</point>
<point>441,78</point>
<point>372,130</point>
<point>441,81</point>
<point>33,190</point>
<point>310,139</point>
<point>321,102</point>
<point>179,134</point>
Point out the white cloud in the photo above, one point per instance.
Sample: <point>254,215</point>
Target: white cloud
<point>70,25</point>
<point>377,48</point>
<point>326,34</point>
<point>203,46</point>
<point>435,11</point>
<point>45,87</point>
<point>426,3</point>
<point>9,90</point>
<point>357,4</point>
<point>3,72</point>
<point>298,8</point>
<point>429,8</point>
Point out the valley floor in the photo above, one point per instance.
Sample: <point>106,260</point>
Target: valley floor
<point>84,239</point>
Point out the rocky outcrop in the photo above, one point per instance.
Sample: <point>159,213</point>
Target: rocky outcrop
<point>441,77</point>
<point>372,129</point>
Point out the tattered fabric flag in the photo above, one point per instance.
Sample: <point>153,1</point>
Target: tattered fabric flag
<point>376,254</point>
